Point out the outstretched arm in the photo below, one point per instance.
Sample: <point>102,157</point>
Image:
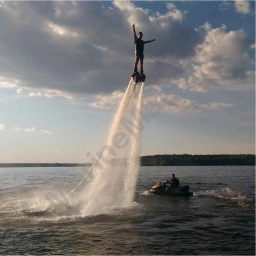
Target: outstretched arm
<point>134,32</point>
<point>146,42</point>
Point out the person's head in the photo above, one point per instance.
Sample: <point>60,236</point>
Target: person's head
<point>140,35</point>
<point>173,175</point>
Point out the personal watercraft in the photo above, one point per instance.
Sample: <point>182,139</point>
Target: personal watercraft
<point>162,188</point>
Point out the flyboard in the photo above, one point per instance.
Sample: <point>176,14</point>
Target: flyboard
<point>137,77</point>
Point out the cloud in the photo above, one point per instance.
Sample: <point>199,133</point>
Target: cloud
<point>62,31</point>
<point>224,5</point>
<point>253,46</point>
<point>221,59</point>
<point>8,82</point>
<point>174,103</point>
<point>173,40</point>
<point>1,127</point>
<point>34,129</point>
<point>162,102</point>
<point>33,92</point>
<point>108,101</point>
<point>242,6</point>
<point>48,93</point>
<point>45,131</point>
<point>31,129</point>
<point>72,49</point>
<point>175,13</point>
<point>77,48</point>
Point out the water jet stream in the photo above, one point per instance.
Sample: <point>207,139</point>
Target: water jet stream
<point>111,181</point>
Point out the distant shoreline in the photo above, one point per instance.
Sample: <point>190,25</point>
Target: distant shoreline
<point>12,165</point>
<point>162,160</point>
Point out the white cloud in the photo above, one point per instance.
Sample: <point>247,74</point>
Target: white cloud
<point>224,5</point>
<point>48,93</point>
<point>45,131</point>
<point>73,49</point>
<point>62,31</point>
<point>222,59</point>
<point>76,47</point>
<point>1,127</point>
<point>242,6</point>
<point>20,90</point>
<point>174,103</point>
<point>253,46</point>
<point>174,12</point>
<point>8,82</point>
<point>106,101</point>
<point>34,129</point>
<point>31,129</point>
<point>162,102</point>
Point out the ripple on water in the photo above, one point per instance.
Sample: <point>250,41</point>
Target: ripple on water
<point>213,222</point>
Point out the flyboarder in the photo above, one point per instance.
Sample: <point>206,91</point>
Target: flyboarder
<point>139,53</point>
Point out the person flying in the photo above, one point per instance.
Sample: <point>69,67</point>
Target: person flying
<point>139,49</point>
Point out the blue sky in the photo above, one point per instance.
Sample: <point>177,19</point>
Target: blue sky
<point>66,65</point>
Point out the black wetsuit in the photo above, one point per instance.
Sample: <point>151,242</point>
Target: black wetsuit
<point>139,47</point>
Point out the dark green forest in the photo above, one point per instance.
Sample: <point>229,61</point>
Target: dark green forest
<point>192,160</point>
<point>160,160</point>
<point>13,165</point>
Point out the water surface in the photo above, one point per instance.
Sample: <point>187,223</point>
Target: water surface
<point>35,217</point>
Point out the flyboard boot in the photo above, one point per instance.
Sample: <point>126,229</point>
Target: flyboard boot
<point>142,76</point>
<point>135,75</point>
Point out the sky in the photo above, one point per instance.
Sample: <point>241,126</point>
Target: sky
<point>65,67</point>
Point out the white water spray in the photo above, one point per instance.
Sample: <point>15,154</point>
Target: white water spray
<point>134,160</point>
<point>111,181</point>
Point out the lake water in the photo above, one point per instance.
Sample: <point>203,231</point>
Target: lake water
<point>218,219</point>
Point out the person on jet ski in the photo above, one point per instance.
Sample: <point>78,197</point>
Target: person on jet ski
<point>174,181</point>
<point>139,49</point>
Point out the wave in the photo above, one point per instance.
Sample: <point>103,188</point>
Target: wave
<point>204,183</point>
<point>229,194</point>
<point>51,206</point>
<point>146,193</point>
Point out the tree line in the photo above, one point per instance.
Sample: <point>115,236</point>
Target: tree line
<point>13,165</point>
<point>160,160</point>
<point>190,160</point>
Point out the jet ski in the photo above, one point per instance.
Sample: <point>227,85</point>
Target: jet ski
<point>162,189</point>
